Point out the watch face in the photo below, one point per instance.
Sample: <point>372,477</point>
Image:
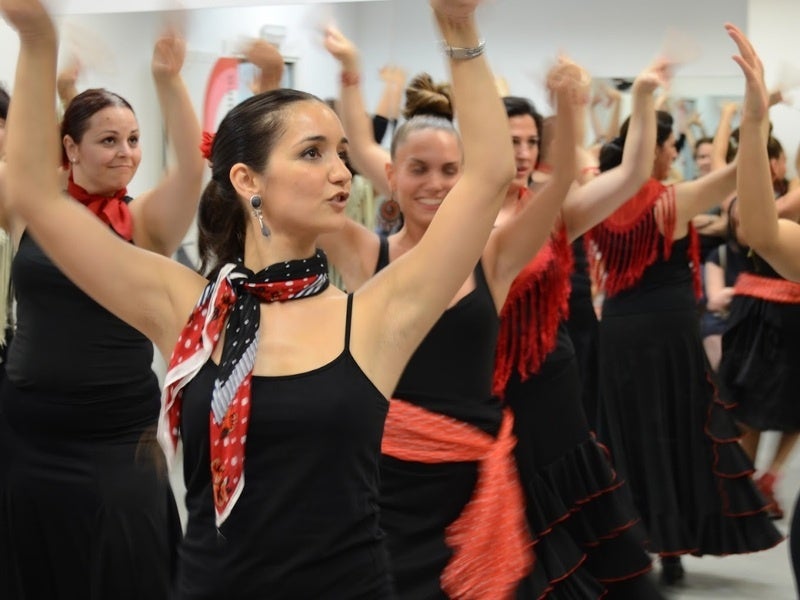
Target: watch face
<point>227,85</point>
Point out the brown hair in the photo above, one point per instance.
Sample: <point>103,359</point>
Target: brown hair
<point>82,107</point>
<point>428,106</point>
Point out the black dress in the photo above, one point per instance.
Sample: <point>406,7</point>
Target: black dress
<point>306,524</point>
<point>451,374</point>
<point>86,510</point>
<point>588,537</point>
<point>669,434</point>
<point>759,372</point>
<point>582,326</point>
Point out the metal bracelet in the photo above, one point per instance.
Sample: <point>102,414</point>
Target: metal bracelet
<point>463,53</point>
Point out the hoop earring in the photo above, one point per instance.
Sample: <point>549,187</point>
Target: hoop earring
<point>255,202</point>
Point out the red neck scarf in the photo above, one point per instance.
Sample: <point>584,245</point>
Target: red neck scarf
<point>112,210</point>
<point>536,303</point>
<point>620,248</point>
<point>234,298</point>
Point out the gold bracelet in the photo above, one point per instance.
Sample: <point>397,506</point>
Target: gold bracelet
<point>457,53</point>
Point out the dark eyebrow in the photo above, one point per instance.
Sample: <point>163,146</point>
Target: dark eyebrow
<point>115,132</point>
<point>319,138</point>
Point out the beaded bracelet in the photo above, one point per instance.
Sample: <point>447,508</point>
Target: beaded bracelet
<point>457,53</point>
<point>350,78</point>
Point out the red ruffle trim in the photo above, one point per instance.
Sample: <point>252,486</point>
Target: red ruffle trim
<point>622,247</point>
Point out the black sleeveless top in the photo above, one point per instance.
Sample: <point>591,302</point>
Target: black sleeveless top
<point>69,345</point>
<point>306,524</point>
<point>451,371</point>
<point>666,285</point>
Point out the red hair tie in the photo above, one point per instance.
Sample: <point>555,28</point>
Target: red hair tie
<point>206,144</point>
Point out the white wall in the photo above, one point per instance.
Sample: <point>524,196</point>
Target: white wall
<point>118,49</point>
<point>609,38</point>
<point>772,27</point>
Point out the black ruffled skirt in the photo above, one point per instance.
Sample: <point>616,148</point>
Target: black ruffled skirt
<point>588,539</point>
<point>675,441</point>
<point>760,370</point>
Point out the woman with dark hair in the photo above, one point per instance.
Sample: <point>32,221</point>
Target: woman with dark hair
<point>443,403</point>
<point>294,513</point>
<point>671,437</point>
<point>578,510</point>
<point>448,381</point>
<point>760,348</point>
<point>775,239</point>
<point>85,492</point>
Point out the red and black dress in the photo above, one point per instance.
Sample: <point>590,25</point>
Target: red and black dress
<point>451,503</point>
<point>587,537</point>
<point>761,350</point>
<point>670,435</point>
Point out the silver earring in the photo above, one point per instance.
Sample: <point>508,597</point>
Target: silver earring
<point>255,202</point>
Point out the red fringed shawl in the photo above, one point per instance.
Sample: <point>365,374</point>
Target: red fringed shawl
<point>537,302</point>
<point>620,248</point>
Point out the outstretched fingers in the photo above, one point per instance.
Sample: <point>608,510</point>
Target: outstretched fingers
<point>756,100</point>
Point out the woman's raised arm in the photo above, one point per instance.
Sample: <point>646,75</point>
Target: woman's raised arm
<point>589,204</point>
<point>405,299</point>
<point>150,292</point>
<point>776,240</point>
<point>162,215</point>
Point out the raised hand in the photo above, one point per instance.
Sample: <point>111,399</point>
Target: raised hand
<point>393,75</point>
<point>28,17</point>
<point>756,98</point>
<point>340,47</point>
<point>456,10</point>
<point>269,61</point>
<point>568,78</point>
<point>169,54</point>
<point>657,74</point>
<point>67,79</point>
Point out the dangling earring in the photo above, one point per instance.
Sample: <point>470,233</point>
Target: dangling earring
<point>255,202</point>
<point>389,214</point>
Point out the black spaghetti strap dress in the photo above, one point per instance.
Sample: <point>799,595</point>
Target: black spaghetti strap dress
<point>451,374</point>
<point>306,524</point>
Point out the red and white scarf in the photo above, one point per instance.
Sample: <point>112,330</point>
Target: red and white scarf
<point>233,302</point>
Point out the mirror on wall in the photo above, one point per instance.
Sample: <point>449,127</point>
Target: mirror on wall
<point>696,104</point>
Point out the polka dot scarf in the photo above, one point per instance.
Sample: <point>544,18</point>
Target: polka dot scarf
<point>233,302</point>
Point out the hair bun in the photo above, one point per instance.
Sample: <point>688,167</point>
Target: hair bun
<point>425,97</point>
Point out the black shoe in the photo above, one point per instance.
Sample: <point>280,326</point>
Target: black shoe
<point>671,570</point>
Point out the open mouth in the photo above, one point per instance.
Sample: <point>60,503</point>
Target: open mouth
<point>340,199</point>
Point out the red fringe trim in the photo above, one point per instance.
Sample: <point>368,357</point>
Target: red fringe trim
<point>537,302</point>
<point>620,248</point>
<point>767,288</point>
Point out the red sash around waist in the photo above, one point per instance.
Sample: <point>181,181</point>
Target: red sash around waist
<point>492,549</point>
<point>767,288</point>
